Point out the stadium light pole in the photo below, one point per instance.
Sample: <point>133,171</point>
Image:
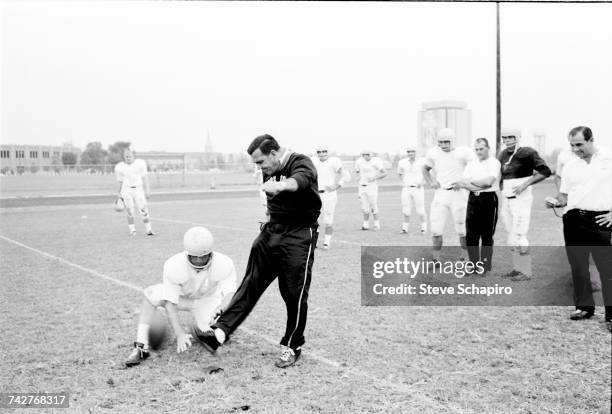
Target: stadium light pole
<point>498,88</point>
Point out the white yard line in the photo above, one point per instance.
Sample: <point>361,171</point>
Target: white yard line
<point>405,389</point>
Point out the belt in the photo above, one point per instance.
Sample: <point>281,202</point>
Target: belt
<point>413,186</point>
<point>448,189</point>
<point>479,193</point>
<point>364,185</point>
<point>588,213</point>
<point>321,191</point>
<point>133,186</point>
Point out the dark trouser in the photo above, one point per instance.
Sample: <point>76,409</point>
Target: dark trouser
<point>480,222</point>
<point>282,250</point>
<point>583,236</point>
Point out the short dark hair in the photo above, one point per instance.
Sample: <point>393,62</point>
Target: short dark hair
<point>486,141</point>
<point>586,132</point>
<point>265,143</point>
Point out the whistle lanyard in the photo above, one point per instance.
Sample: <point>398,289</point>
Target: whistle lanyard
<point>507,163</point>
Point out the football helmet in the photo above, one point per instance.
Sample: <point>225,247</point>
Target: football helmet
<point>198,244</point>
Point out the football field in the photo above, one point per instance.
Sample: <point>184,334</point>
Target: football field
<point>71,289</point>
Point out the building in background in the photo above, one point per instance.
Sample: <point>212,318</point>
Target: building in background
<point>436,115</point>
<point>21,158</point>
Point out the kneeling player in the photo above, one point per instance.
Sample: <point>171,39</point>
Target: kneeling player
<point>197,280</point>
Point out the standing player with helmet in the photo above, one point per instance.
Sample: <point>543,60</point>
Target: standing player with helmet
<point>410,170</point>
<point>330,176</point>
<point>134,189</point>
<point>370,170</point>
<point>283,249</point>
<point>517,176</point>
<point>448,162</point>
<point>198,280</point>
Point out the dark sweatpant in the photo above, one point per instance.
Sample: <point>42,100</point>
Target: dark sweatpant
<point>583,236</point>
<point>480,223</point>
<point>283,251</point>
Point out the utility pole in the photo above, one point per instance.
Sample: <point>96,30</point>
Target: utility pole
<point>498,89</point>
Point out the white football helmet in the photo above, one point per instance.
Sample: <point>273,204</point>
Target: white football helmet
<point>446,134</point>
<point>198,244</point>
<point>119,205</point>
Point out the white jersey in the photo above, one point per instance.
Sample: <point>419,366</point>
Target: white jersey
<point>327,171</point>
<point>478,170</point>
<point>368,169</point>
<point>412,172</point>
<point>131,174</point>
<point>449,166</point>
<point>182,280</point>
<point>587,185</point>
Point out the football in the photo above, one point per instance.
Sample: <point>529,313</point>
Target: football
<point>157,330</point>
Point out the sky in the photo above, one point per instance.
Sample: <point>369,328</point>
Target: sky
<point>163,75</point>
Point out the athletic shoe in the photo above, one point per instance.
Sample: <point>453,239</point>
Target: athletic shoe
<point>150,233</point>
<point>510,274</point>
<point>520,277</point>
<point>139,353</point>
<point>579,315</point>
<point>206,338</point>
<point>423,229</point>
<point>365,228</point>
<point>404,231</point>
<point>288,357</point>
<point>325,246</point>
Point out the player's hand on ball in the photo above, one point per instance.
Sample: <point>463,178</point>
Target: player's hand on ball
<point>183,342</point>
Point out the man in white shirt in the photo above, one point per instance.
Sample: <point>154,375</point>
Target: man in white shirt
<point>410,170</point>
<point>481,178</point>
<point>370,169</point>
<point>134,189</point>
<point>198,280</point>
<point>330,177</point>
<point>587,223</point>
<point>448,163</point>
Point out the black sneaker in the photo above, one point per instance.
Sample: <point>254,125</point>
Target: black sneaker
<point>151,233</point>
<point>139,353</point>
<point>206,338</point>
<point>520,277</point>
<point>288,357</point>
<point>579,315</point>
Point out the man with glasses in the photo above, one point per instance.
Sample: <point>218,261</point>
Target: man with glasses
<point>197,280</point>
<point>330,177</point>
<point>410,170</point>
<point>370,169</point>
<point>517,176</point>
<point>481,179</point>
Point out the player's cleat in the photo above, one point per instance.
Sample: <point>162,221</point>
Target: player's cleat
<point>150,233</point>
<point>139,353</point>
<point>579,315</point>
<point>403,231</point>
<point>325,246</point>
<point>520,277</point>
<point>288,357</point>
<point>365,228</point>
<point>510,274</point>
<point>423,228</point>
<point>206,338</point>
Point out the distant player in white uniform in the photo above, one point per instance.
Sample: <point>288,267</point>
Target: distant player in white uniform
<point>134,189</point>
<point>448,162</point>
<point>198,280</point>
<point>330,177</point>
<point>370,170</point>
<point>410,170</point>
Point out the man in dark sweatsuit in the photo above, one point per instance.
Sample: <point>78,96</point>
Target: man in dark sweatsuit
<point>283,249</point>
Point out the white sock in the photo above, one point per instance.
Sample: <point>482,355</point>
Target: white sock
<point>405,226</point>
<point>220,335</point>
<point>327,239</point>
<point>143,334</point>
<point>132,227</point>
<point>377,223</point>
<point>148,227</point>
<point>366,225</point>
